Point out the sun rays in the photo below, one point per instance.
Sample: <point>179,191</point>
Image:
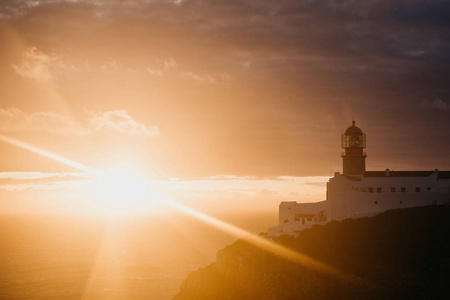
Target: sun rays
<point>41,152</point>
<point>120,192</point>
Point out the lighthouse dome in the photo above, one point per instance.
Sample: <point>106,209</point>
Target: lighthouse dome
<point>353,129</point>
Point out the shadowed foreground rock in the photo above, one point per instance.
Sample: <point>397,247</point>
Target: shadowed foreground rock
<point>400,254</point>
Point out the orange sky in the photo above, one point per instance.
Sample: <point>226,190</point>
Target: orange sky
<point>191,89</point>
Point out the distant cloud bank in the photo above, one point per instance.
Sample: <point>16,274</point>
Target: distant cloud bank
<point>119,121</point>
<point>115,121</point>
<point>41,66</point>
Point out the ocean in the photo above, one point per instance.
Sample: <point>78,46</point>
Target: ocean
<point>80,257</point>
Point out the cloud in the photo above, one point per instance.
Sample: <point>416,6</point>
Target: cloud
<point>199,78</point>
<point>27,175</point>
<point>15,120</point>
<point>38,180</point>
<point>40,66</point>
<point>17,8</point>
<point>164,66</point>
<point>230,177</point>
<point>303,60</point>
<point>205,78</point>
<point>154,72</point>
<point>117,122</point>
<point>169,63</point>
<point>21,181</point>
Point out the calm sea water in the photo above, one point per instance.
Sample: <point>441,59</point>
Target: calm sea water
<point>147,257</point>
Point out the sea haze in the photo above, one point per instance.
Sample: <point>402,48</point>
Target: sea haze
<point>146,257</point>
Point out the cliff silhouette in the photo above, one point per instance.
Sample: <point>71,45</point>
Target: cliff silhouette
<point>399,254</point>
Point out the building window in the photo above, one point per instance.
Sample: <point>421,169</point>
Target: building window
<point>428,188</point>
<point>403,190</point>
<point>379,190</point>
<point>285,221</point>
<point>303,221</point>
<point>417,189</point>
<point>370,190</point>
<point>376,202</point>
<point>296,219</point>
<point>308,219</point>
<point>392,189</point>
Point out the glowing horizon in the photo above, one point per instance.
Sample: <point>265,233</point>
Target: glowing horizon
<point>120,191</point>
<point>121,201</point>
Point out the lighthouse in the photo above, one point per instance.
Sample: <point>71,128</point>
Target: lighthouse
<point>358,193</point>
<point>353,141</point>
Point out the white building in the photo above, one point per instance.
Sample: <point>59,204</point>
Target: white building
<point>359,193</point>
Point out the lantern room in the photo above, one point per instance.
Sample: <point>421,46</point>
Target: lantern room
<point>353,141</point>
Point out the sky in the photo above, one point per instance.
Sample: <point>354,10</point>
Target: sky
<point>195,89</point>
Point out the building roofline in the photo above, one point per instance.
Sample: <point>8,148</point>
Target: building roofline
<point>388,173</point>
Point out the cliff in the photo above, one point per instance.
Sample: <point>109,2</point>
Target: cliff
<point>399,254</point>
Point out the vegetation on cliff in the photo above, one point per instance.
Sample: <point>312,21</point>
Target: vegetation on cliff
<point>399,254</point>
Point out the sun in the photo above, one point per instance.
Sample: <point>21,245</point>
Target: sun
<point>121,192</point>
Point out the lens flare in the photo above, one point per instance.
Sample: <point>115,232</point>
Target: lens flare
<point>45,153</point>
<point>263,243</point>
<point>235,231</point>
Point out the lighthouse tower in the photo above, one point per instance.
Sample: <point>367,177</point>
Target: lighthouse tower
<point>353,141</point>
